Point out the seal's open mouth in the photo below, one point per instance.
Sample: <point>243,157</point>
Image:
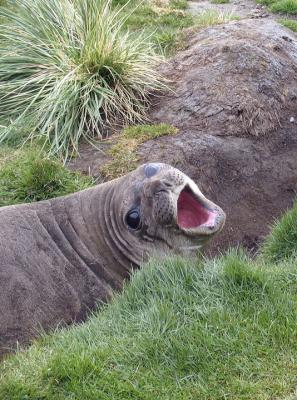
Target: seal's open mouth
<point>191,213</point>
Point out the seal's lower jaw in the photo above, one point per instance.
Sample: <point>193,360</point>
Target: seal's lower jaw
<point>196,215</point>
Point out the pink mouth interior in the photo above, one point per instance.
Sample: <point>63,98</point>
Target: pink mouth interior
<point>192,214</point>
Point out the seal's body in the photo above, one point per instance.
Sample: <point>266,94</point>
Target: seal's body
<point>59,258</point>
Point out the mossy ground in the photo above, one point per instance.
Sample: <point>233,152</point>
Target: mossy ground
<point>289,23</point>
<point>123,154</point>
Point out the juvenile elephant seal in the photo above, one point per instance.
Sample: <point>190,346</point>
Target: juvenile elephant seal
<point>59,257</point>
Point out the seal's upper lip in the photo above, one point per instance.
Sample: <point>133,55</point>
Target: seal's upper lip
<point>193,213</point>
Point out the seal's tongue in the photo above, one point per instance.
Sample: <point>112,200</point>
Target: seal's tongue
<point>191,213</point>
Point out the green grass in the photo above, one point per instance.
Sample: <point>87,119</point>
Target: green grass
<point>282,243</point>
<point>163,24</point>
<point>281,6</point>
<point>220,1</point>
<point>285,6</point>
<point>28,175</point>
<point>179,4</point>
<point>149,131</point>
<point>158,18</point>
<point>213,17</point>
<point>67,69</point>
<point>166,25</point>
<point>182,330</point>
<point>289,23</point>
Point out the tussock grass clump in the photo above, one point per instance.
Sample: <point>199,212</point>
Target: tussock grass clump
<point>67,68</point>
<point>28,175</point>
<point>281,243</point>
<point>183,329</point>
<point>123,153</point>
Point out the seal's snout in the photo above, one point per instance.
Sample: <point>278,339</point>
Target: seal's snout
<point>178,206</point>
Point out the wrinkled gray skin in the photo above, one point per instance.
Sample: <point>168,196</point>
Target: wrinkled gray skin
<point>59,258</point>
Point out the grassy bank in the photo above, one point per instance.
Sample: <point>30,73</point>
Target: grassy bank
<point>281,6</point>
<point>183,329</point>
<point>28,174</point>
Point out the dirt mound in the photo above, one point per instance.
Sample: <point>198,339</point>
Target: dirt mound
<point>234,79</point>
<point>234,101</point>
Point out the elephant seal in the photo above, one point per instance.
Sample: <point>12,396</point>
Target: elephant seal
<point>60,257</point>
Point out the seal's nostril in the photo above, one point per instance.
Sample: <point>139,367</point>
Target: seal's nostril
<point>163,186</point>
<point>167,184</point>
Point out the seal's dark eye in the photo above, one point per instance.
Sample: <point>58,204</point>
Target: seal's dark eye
<point>133,218</point>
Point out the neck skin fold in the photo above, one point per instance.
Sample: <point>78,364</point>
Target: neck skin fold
<point>98,234</point>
